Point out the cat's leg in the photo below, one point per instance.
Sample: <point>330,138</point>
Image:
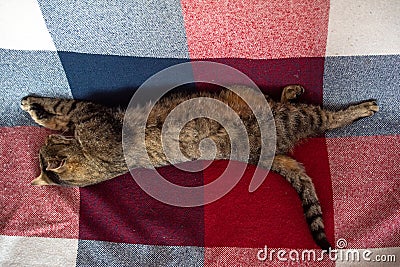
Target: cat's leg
<point>296,175</point>
<point>52,113</point>
<point>337,119</point>
<point>59,139</point>
<point>291,92</point>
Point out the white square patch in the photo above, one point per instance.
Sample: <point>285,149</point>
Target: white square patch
<point>22,26</point>
<point>360,27</point>
<point>37,251</point>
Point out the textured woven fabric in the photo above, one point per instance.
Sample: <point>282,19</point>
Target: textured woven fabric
<point>341,51</point>
<point>132,28</point>
<point>28,210</point>
<point>28,72</point>
<point>94,253</point>
<point>353,79</point>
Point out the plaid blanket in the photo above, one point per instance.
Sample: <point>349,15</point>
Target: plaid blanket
<point>341,51</point>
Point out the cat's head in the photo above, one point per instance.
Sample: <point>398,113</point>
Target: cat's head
<point>60,164</point>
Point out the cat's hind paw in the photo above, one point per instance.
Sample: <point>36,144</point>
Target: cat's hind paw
<point>367,108</point>
<point>291,92</point>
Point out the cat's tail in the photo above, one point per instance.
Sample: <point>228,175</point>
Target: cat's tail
<point>295,174</point>
<point>313,214</point>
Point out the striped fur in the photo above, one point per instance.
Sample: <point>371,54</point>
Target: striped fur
<point>94,153</point>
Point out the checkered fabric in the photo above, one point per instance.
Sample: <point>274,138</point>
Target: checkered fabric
<point>341,51</point>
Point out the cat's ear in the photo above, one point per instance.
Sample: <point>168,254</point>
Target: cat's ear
<point>42,179</point>
<point>56,166</point>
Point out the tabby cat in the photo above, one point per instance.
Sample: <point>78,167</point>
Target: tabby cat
<point>94,153</point>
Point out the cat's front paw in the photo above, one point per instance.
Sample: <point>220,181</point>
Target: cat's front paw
<point>25,103</point>
<point>33,105</point>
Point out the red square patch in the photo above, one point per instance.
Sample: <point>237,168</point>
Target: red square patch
<point>366,190</point>
<point>256,29</point>
<point>27,210</point>
<point>272,215</point>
